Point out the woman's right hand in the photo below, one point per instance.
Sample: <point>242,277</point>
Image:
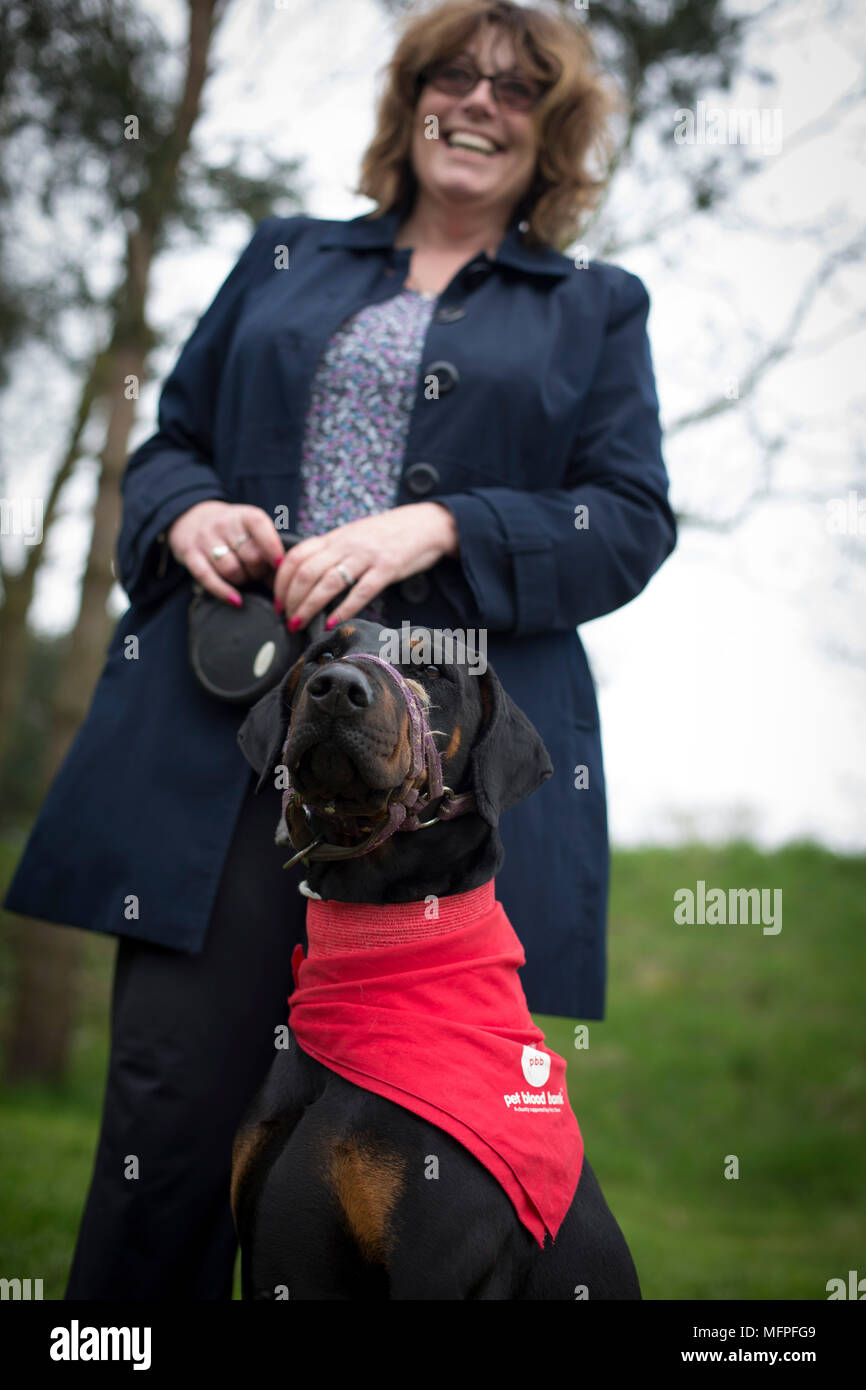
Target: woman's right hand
<point>254,545</point>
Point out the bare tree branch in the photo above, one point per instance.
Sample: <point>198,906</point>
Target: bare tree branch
<point>782,345</point>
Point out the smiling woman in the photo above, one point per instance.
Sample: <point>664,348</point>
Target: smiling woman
<point>522,79</point>
<point>462,426</point>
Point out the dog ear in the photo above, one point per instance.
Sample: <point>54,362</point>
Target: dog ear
<point>263,733</point>
<point>508,760</point>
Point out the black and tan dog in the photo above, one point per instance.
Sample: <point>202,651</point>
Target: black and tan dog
<point>328,1188</point>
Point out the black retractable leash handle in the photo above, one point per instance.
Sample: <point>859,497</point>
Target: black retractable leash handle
<point>239,654</point>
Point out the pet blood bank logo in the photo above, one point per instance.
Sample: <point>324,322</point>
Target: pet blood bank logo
<point>536,1070</point>
<point>536,1065</point>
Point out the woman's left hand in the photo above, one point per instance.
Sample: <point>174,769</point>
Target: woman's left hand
<point>374,551</point>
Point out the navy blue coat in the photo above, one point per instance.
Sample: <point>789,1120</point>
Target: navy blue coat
<point>547,403</point>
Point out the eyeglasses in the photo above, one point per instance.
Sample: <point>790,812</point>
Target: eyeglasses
<point>459,76</point>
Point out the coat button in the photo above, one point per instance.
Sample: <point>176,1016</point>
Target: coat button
<point>450,313</point>
<point>421,478</point>
<point>415,589</point>
<point>477,270</point>
<point>446,374</point>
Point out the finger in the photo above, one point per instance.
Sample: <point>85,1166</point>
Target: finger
<point>201,569</point>
<point>287,571</point>
<point>307,571</point>
<point>369,585</point>
<point>254,564</point>
<point>321,594</point>
<point>248,551</point>
<point>228,567</point>
<point>264,534</point>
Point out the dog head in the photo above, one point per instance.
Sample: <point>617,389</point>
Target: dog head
<point>342,729</point>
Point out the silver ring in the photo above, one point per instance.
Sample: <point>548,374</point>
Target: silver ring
<point>219,551</point>
<point>345,574</point>
<point>240,540</point>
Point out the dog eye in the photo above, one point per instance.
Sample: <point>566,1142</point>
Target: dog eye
<point>432,670</point>
<point>326,656</point>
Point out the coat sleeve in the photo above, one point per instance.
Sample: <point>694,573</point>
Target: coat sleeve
<point>536,561</point>
<point>173,469</point>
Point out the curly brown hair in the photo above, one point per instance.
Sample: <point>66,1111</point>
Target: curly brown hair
<point>571,117</point>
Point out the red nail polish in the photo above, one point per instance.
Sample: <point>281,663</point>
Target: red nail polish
<point>331,622</point>
<point>278,562</point>
<point>278,607</point>
<point>294,624</point>
<point>236,600</point>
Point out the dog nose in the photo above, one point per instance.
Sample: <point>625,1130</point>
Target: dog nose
<point>340,690</point>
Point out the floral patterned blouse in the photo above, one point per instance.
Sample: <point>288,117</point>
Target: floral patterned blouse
<point>358,416</point>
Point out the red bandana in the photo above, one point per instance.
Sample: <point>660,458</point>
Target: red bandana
<point>430,1013</point>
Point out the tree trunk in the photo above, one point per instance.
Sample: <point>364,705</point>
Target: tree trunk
<point>86,655</point>
<point>18,588</point>
<point>47,969</point>
<point>47,956</point>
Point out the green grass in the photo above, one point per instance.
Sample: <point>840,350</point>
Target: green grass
<point>719,1040</point>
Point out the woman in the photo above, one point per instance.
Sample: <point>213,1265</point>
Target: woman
<point>465,427</point>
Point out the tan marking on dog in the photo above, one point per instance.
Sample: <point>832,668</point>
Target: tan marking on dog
<point>345,630</point>
<point>387,712</point>
<point>295,676</point>
<point>453,742</point>
<point>246,1149</point>
<point>367,1181</point>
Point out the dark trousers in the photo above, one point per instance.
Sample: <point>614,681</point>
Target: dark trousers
<point>192,1037</point>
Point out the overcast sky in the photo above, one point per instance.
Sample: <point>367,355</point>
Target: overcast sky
<point>732,691</point>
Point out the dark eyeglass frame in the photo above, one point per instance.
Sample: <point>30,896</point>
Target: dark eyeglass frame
<point>458,87</point>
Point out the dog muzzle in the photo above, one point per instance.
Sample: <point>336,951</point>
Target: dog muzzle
<point>422,785</point>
